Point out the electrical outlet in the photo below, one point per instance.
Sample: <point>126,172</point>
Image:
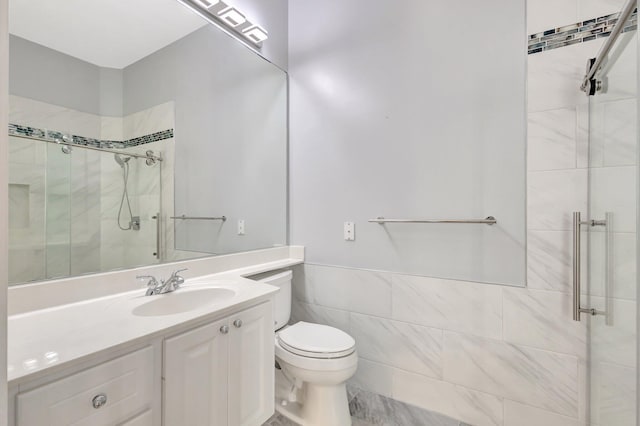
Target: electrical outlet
<point>349,231</point>
<point>241,227</point>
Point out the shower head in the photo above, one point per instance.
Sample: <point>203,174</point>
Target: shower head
<point>121,160</point>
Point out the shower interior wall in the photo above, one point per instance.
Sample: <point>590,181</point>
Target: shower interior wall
<point>64,208</point>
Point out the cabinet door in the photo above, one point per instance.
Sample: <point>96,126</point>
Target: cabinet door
<point>195,377</point>
<point>251,366</point>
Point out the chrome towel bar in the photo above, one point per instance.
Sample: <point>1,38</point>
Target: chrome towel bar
<point>489,220</point>
<point>183,217</point>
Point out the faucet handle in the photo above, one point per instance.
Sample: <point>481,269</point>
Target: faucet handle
<point>176,278</point>
<point>175,273</point>
<point>152,280</point>
<point>152,284</point>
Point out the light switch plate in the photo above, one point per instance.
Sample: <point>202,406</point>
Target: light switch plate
<point>349,231</point>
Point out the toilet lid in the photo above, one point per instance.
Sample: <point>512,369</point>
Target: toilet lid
<point>316,341</point>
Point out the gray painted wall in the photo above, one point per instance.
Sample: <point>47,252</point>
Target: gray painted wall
<point>231,138</point>
<point>40,73</point>
<point>231,134</point>
<point>396,114</point>
<point>89,88</point>
<point>111,92</point>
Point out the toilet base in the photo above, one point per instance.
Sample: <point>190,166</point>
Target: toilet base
<point>323,405</point>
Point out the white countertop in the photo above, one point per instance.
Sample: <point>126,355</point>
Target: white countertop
<point>45,341</point>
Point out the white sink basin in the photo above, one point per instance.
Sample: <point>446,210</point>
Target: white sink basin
<point>182,300</point>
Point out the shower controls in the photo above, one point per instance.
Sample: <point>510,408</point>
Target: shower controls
<point>151,158</point>
<point>135,223</point>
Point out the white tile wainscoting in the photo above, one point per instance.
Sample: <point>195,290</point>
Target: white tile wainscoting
<point>483,354</point>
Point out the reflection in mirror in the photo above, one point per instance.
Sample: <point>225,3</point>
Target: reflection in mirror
<point>116,135</point>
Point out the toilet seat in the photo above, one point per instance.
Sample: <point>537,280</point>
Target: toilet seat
<point>316,341</point>
<point>327,365</point>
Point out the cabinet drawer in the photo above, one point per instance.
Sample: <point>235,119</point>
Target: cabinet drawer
<point>144,419</point>
<point>127,383</point>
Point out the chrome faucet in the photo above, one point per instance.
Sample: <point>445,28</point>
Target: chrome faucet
<point>172,284</point>
<point>152,285</point>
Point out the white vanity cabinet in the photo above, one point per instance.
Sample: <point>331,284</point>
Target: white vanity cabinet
<point>216,372</point>
<point>117,392</point>
<point>221,373</point>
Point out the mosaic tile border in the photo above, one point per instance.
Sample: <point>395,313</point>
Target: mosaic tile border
<point>17,129</point>
<point>580,32</point>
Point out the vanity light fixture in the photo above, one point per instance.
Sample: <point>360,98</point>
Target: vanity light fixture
<point>206,3</point>
<point>231,17</point>
<point>232,20</point>
<point>255,33</point>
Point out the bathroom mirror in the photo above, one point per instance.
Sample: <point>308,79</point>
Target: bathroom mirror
<point>139,134</point>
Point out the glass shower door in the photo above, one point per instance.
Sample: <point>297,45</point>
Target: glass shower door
<point>57,212</point>
<point>612,281</point>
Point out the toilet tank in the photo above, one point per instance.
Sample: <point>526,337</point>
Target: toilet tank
<point>282,303</point>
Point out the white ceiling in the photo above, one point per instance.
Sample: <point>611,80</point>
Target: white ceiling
<point>107,33</point>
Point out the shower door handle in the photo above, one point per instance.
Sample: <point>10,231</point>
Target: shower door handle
<point>158,234</point>
<point>576,265</point>
<point>577,243</point>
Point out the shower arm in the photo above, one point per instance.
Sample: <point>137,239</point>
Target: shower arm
<point>589,86</point>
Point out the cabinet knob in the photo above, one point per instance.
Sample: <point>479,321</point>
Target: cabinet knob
<point>224,329</point>
<point>237,323</point>
<point>99,400</point>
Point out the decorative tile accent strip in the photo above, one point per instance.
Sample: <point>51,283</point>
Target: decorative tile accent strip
<point>578,33</point>
<point>16,129</point>
<point>154,137</point>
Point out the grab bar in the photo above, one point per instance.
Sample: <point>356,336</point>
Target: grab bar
<point>489,220</point>
<point>183,217</point>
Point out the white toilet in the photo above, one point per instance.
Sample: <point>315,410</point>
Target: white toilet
<point>315,363</point>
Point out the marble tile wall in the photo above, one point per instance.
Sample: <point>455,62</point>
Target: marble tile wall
<point>64,230</point>
<point>65,238</point>
<point>27,233</point>
<point>494,355</point>
<point>132,248</point>
<point>461,349</point>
